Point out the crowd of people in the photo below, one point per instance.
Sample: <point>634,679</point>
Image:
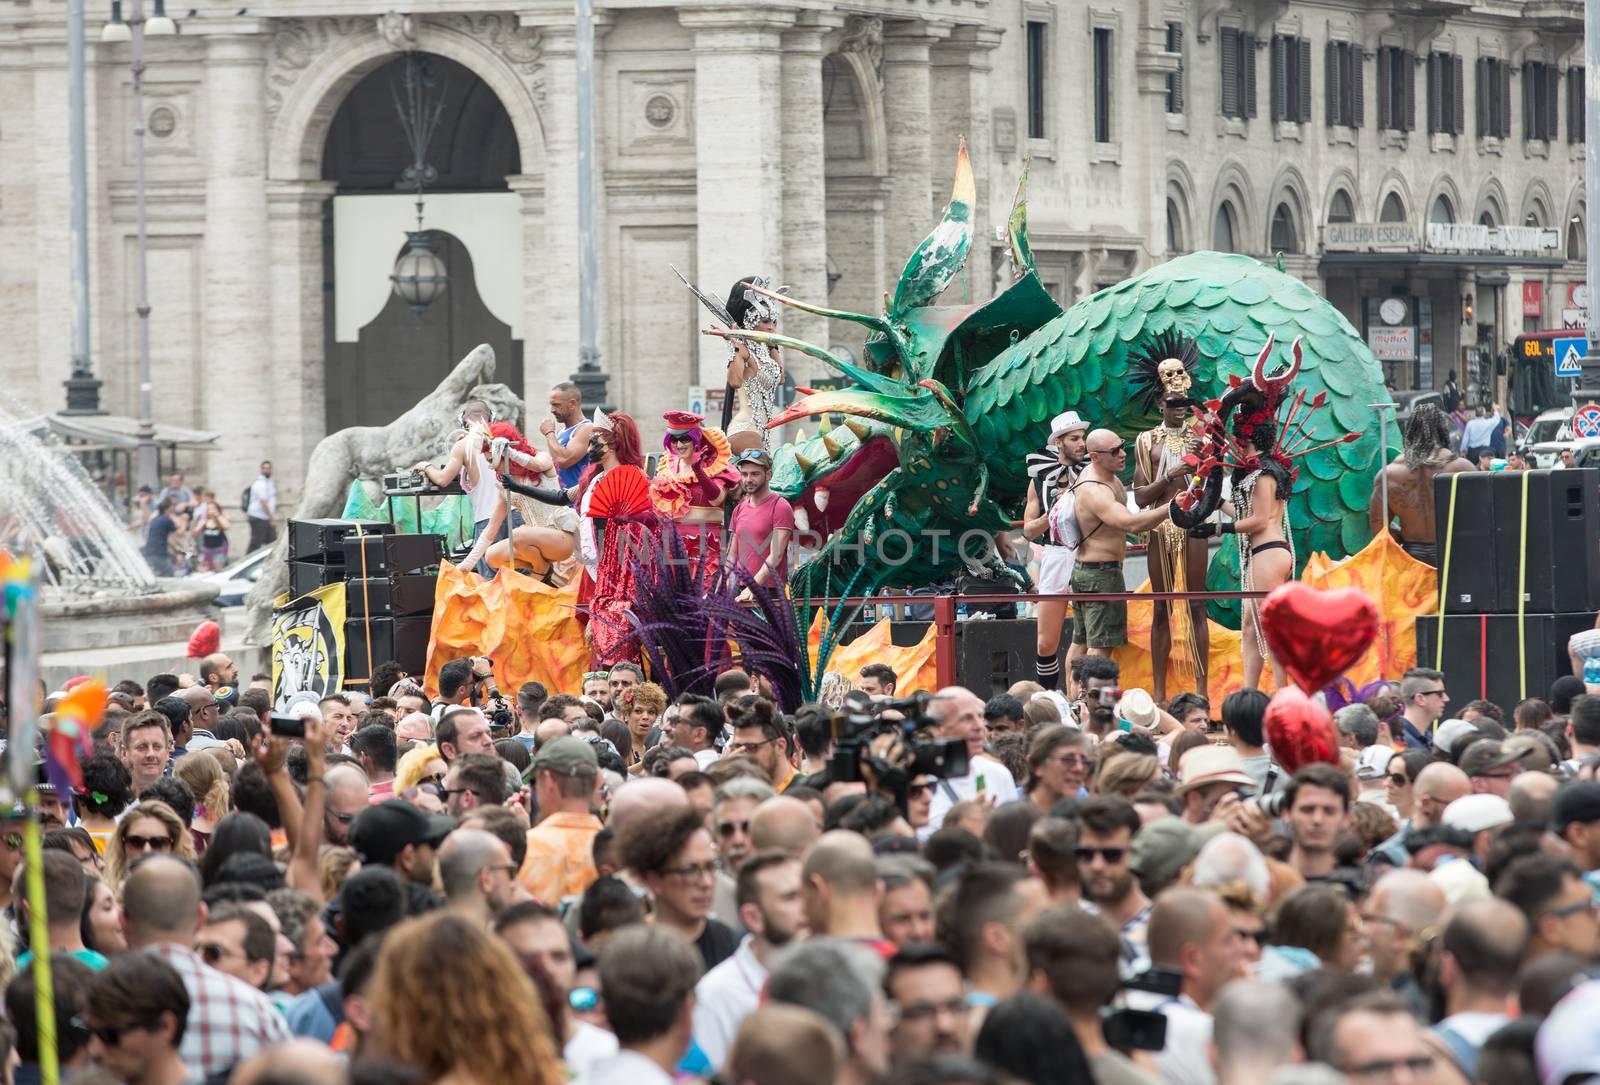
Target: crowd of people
<point>614,886</point>
<point>183,531</point>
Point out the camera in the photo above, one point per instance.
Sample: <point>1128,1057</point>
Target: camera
<point>1143,1030</point>
<point>286,726</point>
<point>873,746</point>
<point>1272,805</point>
<point>499,714</point>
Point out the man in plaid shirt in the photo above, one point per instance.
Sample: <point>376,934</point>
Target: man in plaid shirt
<point>229,1020</point>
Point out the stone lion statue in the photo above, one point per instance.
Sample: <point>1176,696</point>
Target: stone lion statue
<point>367,453</point>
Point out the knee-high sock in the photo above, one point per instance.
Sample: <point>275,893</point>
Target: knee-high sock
<point>1049,670</point>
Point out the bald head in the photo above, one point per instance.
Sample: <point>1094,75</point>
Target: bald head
<point>647,796</point>
<point>1102,440</point>
<point>345,780</point>
<point>1531,796</point>
<point>549,729</point>
<point>1487,938</point>
<point>1181,917</point>
<point>294,1060</point>
<point>195,697</point>
<point>1409,897</point>
<point>464,855</point>
<point>1438,785</point>
<point>844,860</point>
<point>782,824</point>
<point>414,728</point>
<point>161,902</point>
<point>952,698</point>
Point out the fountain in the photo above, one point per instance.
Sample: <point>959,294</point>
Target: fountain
<point>99,592</point>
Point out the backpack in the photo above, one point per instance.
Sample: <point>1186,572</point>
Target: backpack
<point>244,498</point>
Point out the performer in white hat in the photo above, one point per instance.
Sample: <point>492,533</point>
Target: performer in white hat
<point>1050,473</point>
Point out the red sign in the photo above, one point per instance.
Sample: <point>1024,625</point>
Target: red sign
<point>1586,422</point>
<point>1533,299</point>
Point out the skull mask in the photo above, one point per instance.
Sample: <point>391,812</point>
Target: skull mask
<point>1174,377</point>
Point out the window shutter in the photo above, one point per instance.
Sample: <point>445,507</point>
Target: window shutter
<point>1175,80</point>
<point>1435,93</point>
<point>1572,111</point>
<point>1552,123</point>
<point>1408,91</point>
<point>1505,100</point>
<point>1279,94</point>
<point>1530,101</point>
<point>1458,104</point>
<point>1247,45</point>
<point>1576,105</point>
<point>1483,98</point>
<point>1358,102</point>
<point>1303,115</point>
<point>1385,100</point>
<point>1330,79</point>
<point>1230,72</point>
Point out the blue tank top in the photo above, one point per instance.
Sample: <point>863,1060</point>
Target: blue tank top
<point>569,475</point>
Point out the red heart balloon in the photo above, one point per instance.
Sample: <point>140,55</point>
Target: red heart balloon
<point>1300,730</point>
<point>1318,635</point>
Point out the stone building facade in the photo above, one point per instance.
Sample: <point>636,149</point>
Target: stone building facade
<point>807,141</point>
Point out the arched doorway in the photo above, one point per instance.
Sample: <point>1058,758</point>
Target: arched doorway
<point>855,181</point>
<point>380,357</point>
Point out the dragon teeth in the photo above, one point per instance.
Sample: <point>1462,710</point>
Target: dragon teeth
<point>859,428</point>
<point>834,446</point>
<point>821,498</point>
<point>806,465</point>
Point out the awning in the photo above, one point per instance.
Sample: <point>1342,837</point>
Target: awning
<point>1439,261</point>
<point>120,432</point>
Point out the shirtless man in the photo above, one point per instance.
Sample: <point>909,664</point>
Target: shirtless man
<point>567,433</point>
<point>1425,455</point>
<point>1067,440</point>
<point>1104,523</point>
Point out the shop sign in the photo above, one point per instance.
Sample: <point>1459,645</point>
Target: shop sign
<point>1475,237</point>
<point>1393,344</point>
<point>1361,236</point>
<point>1533,299</point>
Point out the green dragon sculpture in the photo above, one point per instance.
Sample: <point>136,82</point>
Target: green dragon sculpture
<point>924,459</point>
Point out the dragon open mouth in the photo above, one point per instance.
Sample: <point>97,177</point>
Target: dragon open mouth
<point>839,488</point>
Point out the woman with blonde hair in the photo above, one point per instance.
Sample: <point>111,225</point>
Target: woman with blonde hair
<point>452,1000</point>
<point>1126,773</point>
<point>148,828</point>
<point>419,777</point>
<point>204,776</point>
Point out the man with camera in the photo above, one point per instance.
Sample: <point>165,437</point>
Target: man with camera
<point>1192,943</point>
<point>958,714</point>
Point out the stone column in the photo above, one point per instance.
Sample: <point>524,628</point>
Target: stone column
<point>805,212</point>
<point>298,373</point>
<point>237,315</point>
<point>907,85</point>
<point>1146,173</point>
<point>19,288</point>
<point>739,182</point>
<point>960,106</point>
<point>553,356</point>
<point>531,188</point>
<point>49,224</point>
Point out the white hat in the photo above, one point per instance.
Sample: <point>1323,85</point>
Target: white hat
<point>1066,423</point>
<point>1138,708</point>
<point>1475,813</point>
<point>1450,732</point>
<point>1374,762</point>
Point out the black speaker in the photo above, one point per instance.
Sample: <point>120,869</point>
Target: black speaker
<point>388,555</point>
<point>307,576</point>
<point>1481,656</point>
<point>1563,550</point>
<point>383,596</point>
<point>318,540</point>
<point>994,655</point>
<point>404,640</point>
<point>1469,583</point>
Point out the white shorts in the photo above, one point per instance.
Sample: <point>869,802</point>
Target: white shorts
<point>1055,568</point>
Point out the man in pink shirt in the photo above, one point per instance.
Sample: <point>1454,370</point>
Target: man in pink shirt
<point>763,522</point>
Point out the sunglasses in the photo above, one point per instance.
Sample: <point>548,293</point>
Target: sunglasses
<point>147,843</point>
<point>1258,937</point>
<point>214,953</point>
<point>726,829</point>
<point>13,840</point>
<point>919,790</point>
<point>1117,451</point>
<point>1399,779</point>
<point>110,1035</point>
<point>1111,856</point>
<point>752,455</point>
<point>342,819</point>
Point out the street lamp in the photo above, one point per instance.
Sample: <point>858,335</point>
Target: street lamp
<point>134,30</point>
<point>419,275</point>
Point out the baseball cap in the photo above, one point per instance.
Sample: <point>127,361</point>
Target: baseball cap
<point>1066,423</point>
<point>1578,801</point>
<point>565,756</point>
<point>1450,733</point>
<point>1212,765</point>
<point>1567,1044</point>
<point>1164,847</point>
<point>381,832</point>
<point>1480,757</point>
<point>1475,813</point>
<point>754,455</point>
<point>1374,762</point>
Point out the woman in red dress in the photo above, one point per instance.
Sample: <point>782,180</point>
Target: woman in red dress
<point>693,483</point>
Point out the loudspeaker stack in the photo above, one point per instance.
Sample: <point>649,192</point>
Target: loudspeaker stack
<point>1528,534</point>
<point>389,583</point>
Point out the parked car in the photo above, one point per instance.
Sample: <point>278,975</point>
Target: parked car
<point>1549,434</point>
<point>237,579</point>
